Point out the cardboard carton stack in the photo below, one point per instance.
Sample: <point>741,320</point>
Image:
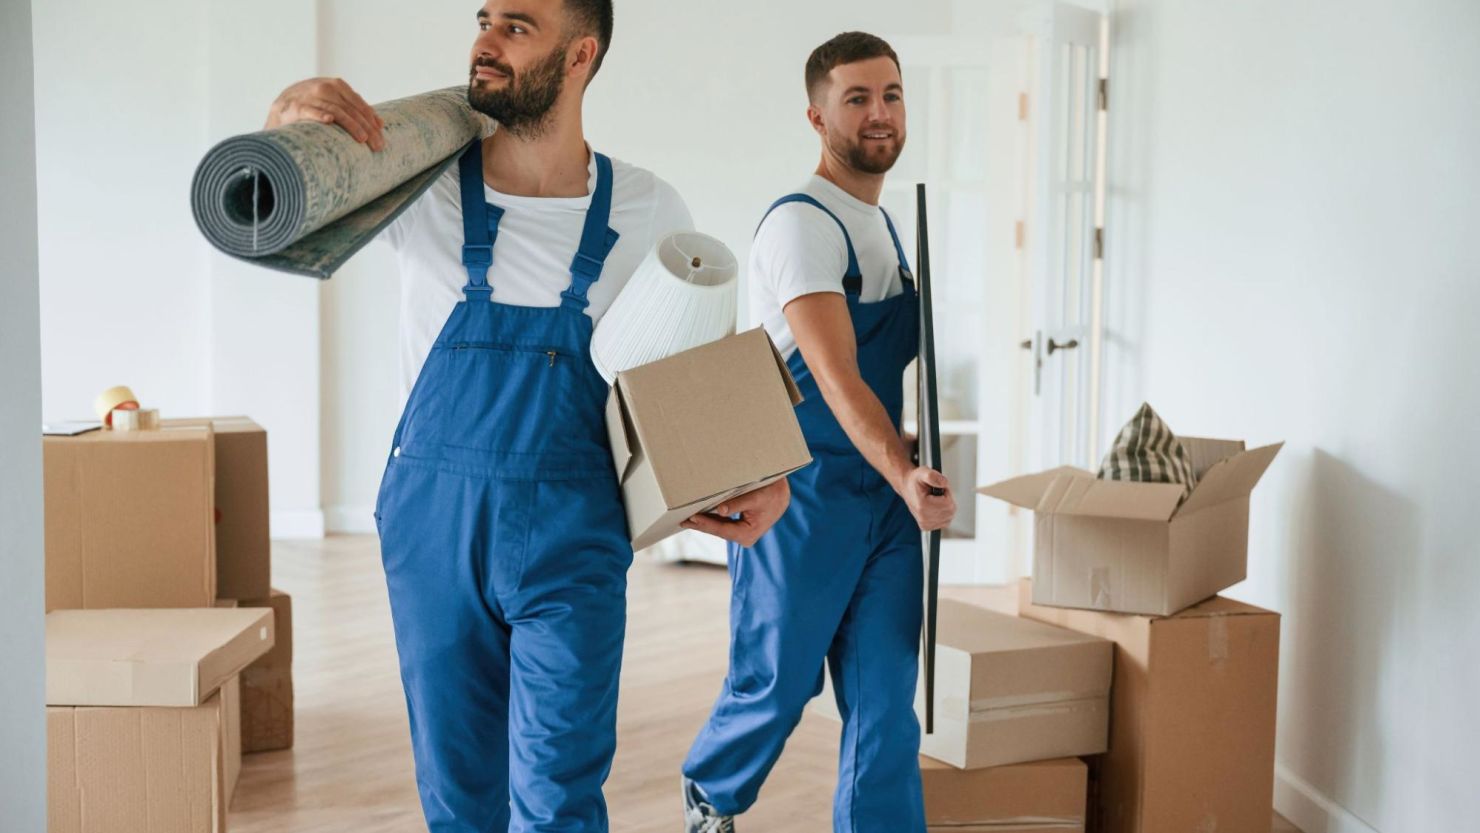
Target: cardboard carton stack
<point>1017,701</point>
<point>1192,704</point>
<point>160,617</point>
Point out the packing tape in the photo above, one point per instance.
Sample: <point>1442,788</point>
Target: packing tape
<point>1217,638</point>
<point>142,419</point>
<point>118,396</point>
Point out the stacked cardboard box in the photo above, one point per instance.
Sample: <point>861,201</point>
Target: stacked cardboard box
<point>1192,716</point>
<point>267,684</point>
<point>1036,797</point>
<point>140,731</point>
<point>1191,742</point>
<point>1016,701</point>
<point>151,536</point>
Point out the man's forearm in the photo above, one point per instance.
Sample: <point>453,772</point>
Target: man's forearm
<point>867,424</point>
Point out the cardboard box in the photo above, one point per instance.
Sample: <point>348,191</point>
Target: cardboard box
<point>243,543</point>
<point>1039,796</point>
<point>267,684</point>
<point>231,710</point>
<point>143,770</point>
<point>231,704</point>
<point>129,519</point>
<point>1130,547</point>
<point>1193,717</point>
<point>1010,690</point>
<point>692,430</point>
<point>166,657</point>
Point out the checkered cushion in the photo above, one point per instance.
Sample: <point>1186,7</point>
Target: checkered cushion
<point>1147,451</point>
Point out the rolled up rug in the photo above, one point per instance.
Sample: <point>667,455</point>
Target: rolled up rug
<point>682,295</point>
<point>304,197</point>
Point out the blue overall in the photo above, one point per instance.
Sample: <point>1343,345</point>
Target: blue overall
<point>838,579</point>
<point>506,552</point>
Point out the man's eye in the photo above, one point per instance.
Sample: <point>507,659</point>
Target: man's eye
<point>517,30</point>
<point>857,99</point>
<point>893,97</point>
<point>483,26</point>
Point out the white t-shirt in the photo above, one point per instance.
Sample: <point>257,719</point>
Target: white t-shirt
<point>537,240</point>
<point>799,250</point>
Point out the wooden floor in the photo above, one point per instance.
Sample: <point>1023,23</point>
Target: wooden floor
<point>350,768</point>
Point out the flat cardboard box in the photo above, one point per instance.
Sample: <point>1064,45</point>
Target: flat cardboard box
<point>1010,690</point>
<point>1039,796</point>
<point>267,684</point>
<point>1132,547</point>
<point>1193,717</point>
<point>243,543</point>
<point>165,657</point>
<point>699,427</point>
<point>129,519</point>
<point>141,770</point>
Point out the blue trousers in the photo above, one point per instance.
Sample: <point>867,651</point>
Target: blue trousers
<point>838,579</point>
<point>509,603</point>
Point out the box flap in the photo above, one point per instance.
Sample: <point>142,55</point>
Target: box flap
<point>713,416</point>
<point>791,384</point>
<point>219,424</point>
<point>1028,490</point>
<point>619,432</point>
<point>1205,452</point>
<point>138,657</point>
<point>1111,499</point>
<point>1232,478</point>
<point>1218,606</point>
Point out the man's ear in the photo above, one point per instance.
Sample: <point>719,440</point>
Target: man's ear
<point>582,56</point>
<point>814,117</point>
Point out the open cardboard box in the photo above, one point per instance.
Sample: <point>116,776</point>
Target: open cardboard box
<point>697,428</point>
<point>1130,547</point>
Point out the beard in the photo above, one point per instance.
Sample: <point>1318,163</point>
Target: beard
<point>875,160</point>
<point>523,105</point>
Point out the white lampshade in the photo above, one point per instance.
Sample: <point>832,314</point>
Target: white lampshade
<point>682,295</point>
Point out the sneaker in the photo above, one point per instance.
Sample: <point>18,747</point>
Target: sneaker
<point>699,816</point>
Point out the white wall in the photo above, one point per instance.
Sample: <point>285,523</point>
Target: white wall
<point>22,592</point>
<point>1295,188</point>
<point>130,292</point>
<point>708,94</point>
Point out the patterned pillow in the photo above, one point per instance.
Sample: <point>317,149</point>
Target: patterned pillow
<point>1147,451</point>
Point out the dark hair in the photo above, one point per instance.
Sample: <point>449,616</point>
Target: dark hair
<point>592,17</point>
<point>847,48</point>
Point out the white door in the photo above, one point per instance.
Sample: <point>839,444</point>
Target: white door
<point>1063,231</point>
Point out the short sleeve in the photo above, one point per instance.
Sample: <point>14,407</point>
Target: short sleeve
<point>797,251</point>
<point>670,212</point>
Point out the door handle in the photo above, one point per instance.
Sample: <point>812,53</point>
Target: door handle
<point>1068,345</point>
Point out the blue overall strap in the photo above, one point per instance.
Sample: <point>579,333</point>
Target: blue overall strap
<point>597,240</point>
<point>480,222</point>
<point>853,277</point>
<point>904,263</point>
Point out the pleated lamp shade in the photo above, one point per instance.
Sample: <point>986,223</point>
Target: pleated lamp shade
<point>683,294</point>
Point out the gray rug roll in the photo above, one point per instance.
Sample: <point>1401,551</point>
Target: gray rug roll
<point>305,197</point>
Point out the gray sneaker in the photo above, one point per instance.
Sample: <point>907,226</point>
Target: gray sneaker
<point>699,816</point>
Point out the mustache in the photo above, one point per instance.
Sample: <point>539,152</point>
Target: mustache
<point>491,64</point>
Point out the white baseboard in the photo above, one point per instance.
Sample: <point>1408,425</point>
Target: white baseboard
<point>297,523</point>
<point>351,520</point>
<point>1309,810</point>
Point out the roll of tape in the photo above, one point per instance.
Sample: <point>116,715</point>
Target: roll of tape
<point>118,396</point>
<point>142,419</point>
